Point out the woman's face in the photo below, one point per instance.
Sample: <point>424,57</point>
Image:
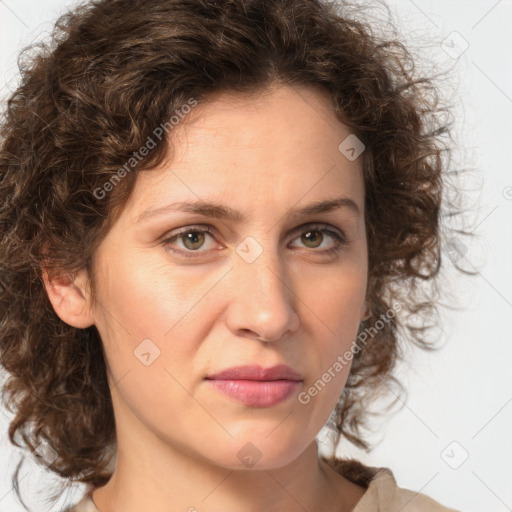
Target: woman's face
<point>267,288</point>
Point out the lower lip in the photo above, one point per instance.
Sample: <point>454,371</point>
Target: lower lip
<point>257,393</point>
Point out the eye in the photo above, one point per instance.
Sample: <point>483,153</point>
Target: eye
<point>314,236</point>
<point>193,238</point>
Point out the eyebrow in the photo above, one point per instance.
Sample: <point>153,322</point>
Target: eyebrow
<point>220,211</point>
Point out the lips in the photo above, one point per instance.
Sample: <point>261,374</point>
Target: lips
<point>255,386</point>
<point>255,372</point>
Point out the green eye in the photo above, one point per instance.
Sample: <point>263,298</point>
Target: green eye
<point>193,239</point>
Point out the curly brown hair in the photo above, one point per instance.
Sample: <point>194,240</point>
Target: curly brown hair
<point>113,72</point>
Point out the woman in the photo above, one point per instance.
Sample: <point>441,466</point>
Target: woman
<point>216,219</point>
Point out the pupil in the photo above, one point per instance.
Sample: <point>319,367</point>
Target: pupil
<point>190,237</point>
<point>308,235</point>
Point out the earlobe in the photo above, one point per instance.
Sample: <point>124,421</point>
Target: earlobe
<point>69,298</point>
<point>365,312</point>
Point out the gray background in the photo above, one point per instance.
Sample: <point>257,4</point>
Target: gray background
<point>452,439</point>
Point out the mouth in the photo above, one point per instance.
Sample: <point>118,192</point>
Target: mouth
<point>255,386</point>
<point>255,372</point>
<point>257,393</point>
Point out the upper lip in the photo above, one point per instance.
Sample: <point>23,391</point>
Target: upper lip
<point>255,372</point>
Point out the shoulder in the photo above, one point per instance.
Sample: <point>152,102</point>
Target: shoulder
<point>384,495</point>
<point>382,492</point>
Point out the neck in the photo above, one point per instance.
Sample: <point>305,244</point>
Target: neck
<point>182,482</point>
<point>157,474</point>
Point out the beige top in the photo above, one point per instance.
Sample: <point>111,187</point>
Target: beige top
<point>382,492</point>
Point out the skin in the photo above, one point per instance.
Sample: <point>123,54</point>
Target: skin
<point>177,438</point>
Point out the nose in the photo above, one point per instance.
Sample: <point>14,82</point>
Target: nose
<point>263,304</point>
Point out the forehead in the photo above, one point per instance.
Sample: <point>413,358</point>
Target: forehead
<point>276,146</point>
<point>281,114</point>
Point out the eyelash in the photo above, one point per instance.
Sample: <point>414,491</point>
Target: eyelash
<point>340,239</point>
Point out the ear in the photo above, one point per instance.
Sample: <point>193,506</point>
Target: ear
<point>365,312</point>
<point>70,298</point>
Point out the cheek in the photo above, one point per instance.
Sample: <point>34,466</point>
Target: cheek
<point>148,319</point>
<point>149,335</point>
<point>337,307</point>
<point>140,297</point>
<point>337,301</point>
